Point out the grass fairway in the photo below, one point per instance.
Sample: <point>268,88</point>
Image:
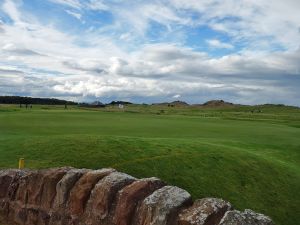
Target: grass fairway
<point>249,159</point>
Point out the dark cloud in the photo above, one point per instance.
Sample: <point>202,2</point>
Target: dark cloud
<point>21,51</point>
<point>10,71</point>
<point>85,68</point>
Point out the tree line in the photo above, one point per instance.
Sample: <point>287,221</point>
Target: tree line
<point>38,101</point>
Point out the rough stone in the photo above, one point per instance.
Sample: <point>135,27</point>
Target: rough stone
<point>32,216</point>
<point>18,215</point>
<point>60,218</point>
<point>14,185</point>
<point>24,185</point>
<point>9,183</point>
<point>162,206</point>
<point>34,188</point>
<point>129,197</point>
<point>66,196</point>
<point>35,216</point>
<point>206,211</point>
<point>80,193</point>
<point>248,217</point>
<point>104,193</point>
<point>65,185</point>
<point>4,209</point>
<point>49,183</point>
<point>6,178</point>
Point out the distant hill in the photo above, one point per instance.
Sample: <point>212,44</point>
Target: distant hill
<point>99,104</point>
<point>172,104</point>
<point>29,100</point>
<point>95,104</point>
<point>119,102</point>
<point>217,103</point>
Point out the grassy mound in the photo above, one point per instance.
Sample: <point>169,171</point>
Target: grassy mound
<point>250,160</point>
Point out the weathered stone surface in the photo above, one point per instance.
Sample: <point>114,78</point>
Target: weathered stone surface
<point>6,177</point>
<point>65,185</point>
<point>24,185</point>
<point>104,193</point>
<point>79,195</point>
<point>206,211</point>
<point>61,218</point>
<point>17,214</point>
<point>35,190</point>
<point>32,216</point>
<point>248,217</point>
<point>14,185</point>
<point>34,187</point>
<point>9,183</point>
<point>4,209</point>
<point>66,196</point>
<point>129,197</point>
<point>49,182</point>
<point>161,207</point>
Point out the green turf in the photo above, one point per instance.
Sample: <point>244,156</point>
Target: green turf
<point>249,159</point>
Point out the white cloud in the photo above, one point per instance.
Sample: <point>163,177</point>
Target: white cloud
<point>137,16</point>
<point>126,37</point>
<point>251,20</point>
<point>97,5</point>
<point>74,14</point>
<point>70,3</point>
<point>10,9</point>
<point>11,48</point>
<point>215,43</point>
<point>50,62</point>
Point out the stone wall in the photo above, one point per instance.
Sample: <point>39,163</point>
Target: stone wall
<point>63,196</point>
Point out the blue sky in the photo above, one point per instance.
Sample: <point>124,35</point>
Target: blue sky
<point>151,51</point>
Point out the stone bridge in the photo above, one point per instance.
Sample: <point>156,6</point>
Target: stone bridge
<point>63,196</point>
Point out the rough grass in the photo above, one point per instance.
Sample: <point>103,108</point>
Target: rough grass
<point>249,159</point>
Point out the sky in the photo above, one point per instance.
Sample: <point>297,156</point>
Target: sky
<point>143,51</point>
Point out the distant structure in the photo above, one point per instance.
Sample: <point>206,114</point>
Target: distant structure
<point>121,106</point>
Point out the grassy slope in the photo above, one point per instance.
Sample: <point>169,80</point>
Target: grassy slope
<point>249,159</point>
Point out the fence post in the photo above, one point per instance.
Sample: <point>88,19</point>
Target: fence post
<point>21,163</point>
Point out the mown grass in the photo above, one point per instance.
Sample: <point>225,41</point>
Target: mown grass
<point>249,159</point>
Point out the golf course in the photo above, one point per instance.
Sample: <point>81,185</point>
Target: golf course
<point>248,155</point>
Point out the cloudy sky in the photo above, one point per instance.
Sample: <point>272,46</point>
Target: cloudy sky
<point>243,51</point>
